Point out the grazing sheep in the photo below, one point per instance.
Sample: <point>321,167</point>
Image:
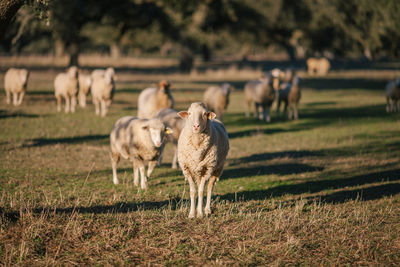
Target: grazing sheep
<point>202,149</point>
<point>151,100</point>
<point>138,140</point>
<point>102,89</point>
<point>320,66</point>
<point>262,94</point>
<point>15,82</point>
<point>290,94</point>
<point>393,96</point>
<point>216,99</point>
<point>171,118</point>
<point>66,86</point>
<point>85,81</point>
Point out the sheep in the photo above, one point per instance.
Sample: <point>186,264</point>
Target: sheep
<point>393,96</point>
<point>151,100</point>
<point>85,82</point>
<point>320,66</point>
<point>15,83</point>
<point>102,89</point>
<point>216,99</point>
<point>66,86</point>
<point>101,72</point>
<point>202,149</point>
<point>290,94</point>
<point>137,140</point>
<point>262,94</point>
<point>171,118</point>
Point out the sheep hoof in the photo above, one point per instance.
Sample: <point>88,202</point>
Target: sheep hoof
<point>115,181</point>
<point>191,215</point>
<point>207,212</point>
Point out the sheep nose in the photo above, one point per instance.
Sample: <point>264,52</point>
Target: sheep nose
<point>196,126</point>
<point>158,144</point>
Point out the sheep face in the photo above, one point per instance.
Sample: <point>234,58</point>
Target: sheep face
<point>23,75</point>
<point>197,117</point>
<point>73,72</point>
<point>157,131</point>
<point>164,86</point>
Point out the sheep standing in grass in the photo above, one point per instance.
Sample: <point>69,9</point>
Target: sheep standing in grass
<point>15,82</point>
<point>202,149</point>
<point>85,81</point>
<point>290,94</point>
<point>393,96</point>
<point>66,86</point>
<point>320,66</point>
<point>216,99</point>
<point>138,140</point>
<point>262,94</point>
<point>102,89</point>
<point>151,100</point>
<point>171,118</point>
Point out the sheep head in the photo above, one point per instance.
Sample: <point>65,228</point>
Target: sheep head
<point>157,130</point>
<point>164,86</point>
<point>197,117</point>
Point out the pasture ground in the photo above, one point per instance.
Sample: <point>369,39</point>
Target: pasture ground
<point>323,190</point>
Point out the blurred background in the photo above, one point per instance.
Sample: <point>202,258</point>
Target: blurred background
<point>189,34</point>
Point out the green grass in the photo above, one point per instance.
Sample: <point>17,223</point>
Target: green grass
<point>323,190</point>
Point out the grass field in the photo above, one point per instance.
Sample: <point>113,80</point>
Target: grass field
<point>323,190</point>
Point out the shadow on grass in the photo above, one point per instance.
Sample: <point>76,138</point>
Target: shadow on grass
<point>258,170</point>
<point>340,83</point>
<point>321,185</point>
<point>293,154</point>
<point>66,140</point>
<point>4,114</point>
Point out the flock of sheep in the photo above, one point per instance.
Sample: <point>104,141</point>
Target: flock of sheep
<point>198,135</point>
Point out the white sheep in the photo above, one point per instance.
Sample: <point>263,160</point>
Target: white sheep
<point>102,89</point>
<point>171,118</point>
<point>393,96</point>
<point>15,83</point>
<point>137,140</point>
<point>66,86</point>
<point>216,99</point>
<point>320,66</point>
<point>85,82</point>
<point>151,100</point>
<point>262,94</point>
<point>202,149</point>
<point>290,94</point>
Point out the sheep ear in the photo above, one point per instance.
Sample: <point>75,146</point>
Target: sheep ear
<point>183,114</point>
<point>211,115</point>
<point>169,130</point>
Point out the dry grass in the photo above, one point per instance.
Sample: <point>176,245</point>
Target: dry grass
<point>323,190</point>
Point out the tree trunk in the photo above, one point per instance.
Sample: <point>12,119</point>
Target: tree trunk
<point>73,54</point>
<point>8,8</point>
<point>59,47</point>
<point>186,60</point>
<point>115,50</point>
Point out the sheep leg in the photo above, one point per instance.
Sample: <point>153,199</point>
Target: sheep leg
<point>103,108</point>
<point>143,178</point>
<point>175,159</point>
<point>8,97</point>
<point>82,100</point>
<point>73,103</point>
<point>21,97</point>
<point>257,112</point>
<point>135,173</point>
<point>296,115</point>
<point>67,104</point>
<point>290,112</point>
<point>96,105</point>
<point>210,186</point>
<point>285,107</point>
<point>200,197</point>
<point>247,112</point>
<point>150,169</point>
<point>15,99</point>
<point>192,197</point>
<point>266,116</point>
<point>58,103</point>
<point>114,162</point>
<point>278,105</point>
<point>387,104</point>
